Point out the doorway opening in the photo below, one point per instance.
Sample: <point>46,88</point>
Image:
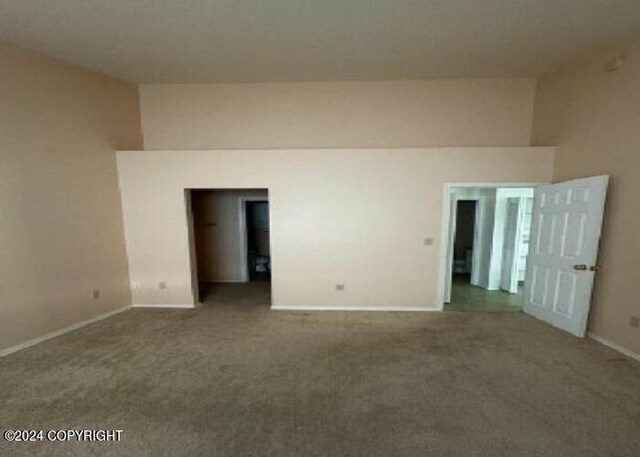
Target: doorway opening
<point>256,234</point>
<point>230,246</point>
<point>488,243</point>
<point>463,241</point>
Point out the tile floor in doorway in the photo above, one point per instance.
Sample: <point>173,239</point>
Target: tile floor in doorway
<point>467,297</point>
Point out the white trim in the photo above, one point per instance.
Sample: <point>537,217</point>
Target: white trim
<point>446,218</point>
<point>452,224</point>
<point>162,305</point>
<point>353,308</point>
<point>614,346</point>
<point>478,222</point>
<point>62,331</point>
<point>191,239</point>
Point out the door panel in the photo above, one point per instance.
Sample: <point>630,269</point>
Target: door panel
<point>565,232</point>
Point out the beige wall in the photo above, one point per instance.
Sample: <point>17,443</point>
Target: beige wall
<point>594,118</point>
<point>61,232</point>
<point>217,233</point>
<point>354,217</point>
<point>463,112</point>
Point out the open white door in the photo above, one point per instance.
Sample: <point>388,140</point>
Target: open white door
<point>565,231</point>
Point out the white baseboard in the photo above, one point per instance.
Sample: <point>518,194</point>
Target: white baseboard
<point>354,308</point>
<point>615,346</point>
<point>161,305</point>
<point>62,331</point>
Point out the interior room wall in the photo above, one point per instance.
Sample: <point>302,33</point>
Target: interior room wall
<point>370,219</point>
<point>592,115</point>
<point>457,112</point>
<point>61,233</point>
<point>217,233</point>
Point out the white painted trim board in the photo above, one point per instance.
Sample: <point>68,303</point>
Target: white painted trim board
<point>62,331</point>
<point>614,346</point>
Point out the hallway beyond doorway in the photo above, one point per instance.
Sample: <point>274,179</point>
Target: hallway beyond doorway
<point>242,295</point>
<point>467,297</point>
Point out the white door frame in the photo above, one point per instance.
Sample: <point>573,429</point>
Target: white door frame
<point>510,266</point>
<point>446,247</point>
<point>242,211</point>
<point>193,260</point>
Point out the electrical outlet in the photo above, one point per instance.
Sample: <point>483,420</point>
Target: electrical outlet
<point>339,287</point>
<point>96,294</point>
<point>162,285</point>
<point>634,321</point>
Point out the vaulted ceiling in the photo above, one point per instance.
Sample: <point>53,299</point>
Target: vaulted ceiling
<point>318,40</point>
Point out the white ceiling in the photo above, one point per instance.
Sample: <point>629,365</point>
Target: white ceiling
<point>303,40</point>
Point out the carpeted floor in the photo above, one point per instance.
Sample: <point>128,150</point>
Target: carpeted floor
<point>235,379</point>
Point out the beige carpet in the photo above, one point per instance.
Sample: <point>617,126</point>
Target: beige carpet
<point>235,379</point>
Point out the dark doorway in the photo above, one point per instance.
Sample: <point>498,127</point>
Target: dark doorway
<point>230,246</point>
<point>463,241</point>
<point>258,246</point>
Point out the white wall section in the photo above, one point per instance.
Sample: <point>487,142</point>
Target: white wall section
<point>357,217</point>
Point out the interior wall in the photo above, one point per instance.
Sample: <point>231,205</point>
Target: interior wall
<point>592,116</point>
<point>427,113</point>
<point>357,217</point>
<point>217,233</point>
<point>61,233</point>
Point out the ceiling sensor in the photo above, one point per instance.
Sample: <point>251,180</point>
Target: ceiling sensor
<point>615,64</point>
